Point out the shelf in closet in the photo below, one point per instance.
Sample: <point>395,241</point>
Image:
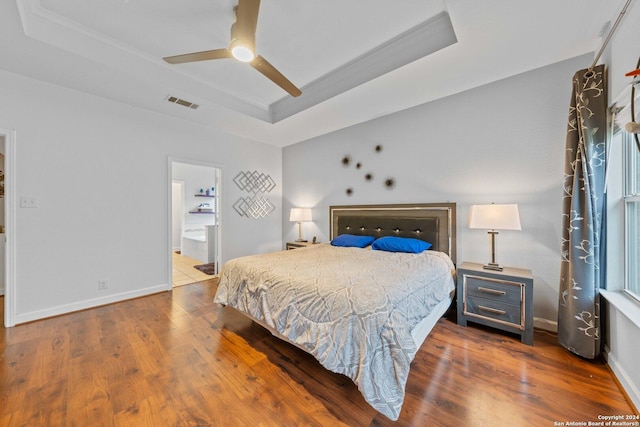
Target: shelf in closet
<point>199,212</point>
<point>204,195</point>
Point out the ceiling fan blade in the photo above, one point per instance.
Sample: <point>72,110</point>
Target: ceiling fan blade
<point>274,75</point>
<point>246,21</point>
<point>198,56</point>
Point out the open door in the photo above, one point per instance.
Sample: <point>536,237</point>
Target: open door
<point>7,243</point>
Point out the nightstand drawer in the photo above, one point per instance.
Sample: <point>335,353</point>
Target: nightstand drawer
<point>498,299</point>
<point>503,291</point>
<point>494,310</point>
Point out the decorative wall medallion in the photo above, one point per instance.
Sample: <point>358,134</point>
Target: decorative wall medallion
<point>389,183</point>
<point>255,206</point>
<point>254,182</point>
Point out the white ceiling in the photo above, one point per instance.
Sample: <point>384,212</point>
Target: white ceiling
<point>113,48</point>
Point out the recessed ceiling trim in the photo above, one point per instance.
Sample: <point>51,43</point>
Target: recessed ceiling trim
<point>420,41</point>
<point>48,27</point>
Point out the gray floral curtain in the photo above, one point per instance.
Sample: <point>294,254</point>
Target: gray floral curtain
<point>582,268</point>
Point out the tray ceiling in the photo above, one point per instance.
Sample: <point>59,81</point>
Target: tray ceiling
<point>353,60</point>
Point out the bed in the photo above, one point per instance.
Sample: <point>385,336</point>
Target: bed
<point>360,312</point>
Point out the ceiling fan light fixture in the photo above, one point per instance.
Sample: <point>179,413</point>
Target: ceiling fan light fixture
<point>242,47</point>
<point>242,53</point>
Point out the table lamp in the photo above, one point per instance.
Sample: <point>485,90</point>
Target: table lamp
<point>300,215</point>
<point>494,217</point>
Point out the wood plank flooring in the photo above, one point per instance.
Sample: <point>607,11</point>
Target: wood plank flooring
<point>177,359</point>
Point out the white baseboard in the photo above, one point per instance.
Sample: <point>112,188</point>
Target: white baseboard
<point>90,303</point>
<point>1,291</point>
<point>546,325</point>
<point>623,378</point>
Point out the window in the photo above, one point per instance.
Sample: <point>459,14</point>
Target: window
<point>632,215</point>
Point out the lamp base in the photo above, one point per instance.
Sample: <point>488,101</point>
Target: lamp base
<point>301,240</point>
<point>492,266</point>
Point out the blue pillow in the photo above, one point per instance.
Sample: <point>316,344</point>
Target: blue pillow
<point>352,241</point>
<point>400,244</point>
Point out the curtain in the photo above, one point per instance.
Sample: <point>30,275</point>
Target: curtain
<point>582,266</point>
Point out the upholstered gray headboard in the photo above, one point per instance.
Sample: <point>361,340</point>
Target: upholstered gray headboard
<point>431,222</point>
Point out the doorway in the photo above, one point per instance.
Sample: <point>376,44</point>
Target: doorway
<point>194,221</point>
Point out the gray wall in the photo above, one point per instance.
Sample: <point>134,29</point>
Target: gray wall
<point>100,172</point>
<point>503,143</point>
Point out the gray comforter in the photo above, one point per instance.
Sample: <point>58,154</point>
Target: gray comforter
<point>353,309</point>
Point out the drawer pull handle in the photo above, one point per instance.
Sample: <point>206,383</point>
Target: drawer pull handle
<point>491,291</point>
<point>492,310</point>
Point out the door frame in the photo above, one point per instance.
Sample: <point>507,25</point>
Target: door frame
<point>219,170</point>
<point>182,199</point>
<point>10,291</point>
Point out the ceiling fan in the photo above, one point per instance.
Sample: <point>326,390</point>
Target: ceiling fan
<point>242,47</point>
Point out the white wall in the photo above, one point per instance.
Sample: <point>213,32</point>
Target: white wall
<point>100,172</point>
<point>502,143</point>
<point>624,50</point>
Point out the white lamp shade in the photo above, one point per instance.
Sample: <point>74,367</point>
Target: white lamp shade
<point>300,215</point>
<point>494,217</point>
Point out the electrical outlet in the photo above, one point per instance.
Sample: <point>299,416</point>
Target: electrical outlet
<point>102,285</point>
<point>28,202</point>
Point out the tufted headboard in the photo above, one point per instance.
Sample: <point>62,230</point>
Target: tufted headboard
<point>431,222</point>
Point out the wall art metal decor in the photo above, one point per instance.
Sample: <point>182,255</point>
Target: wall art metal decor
<point>255,206</point>
<point>254,182</point>
<point>388,183</point>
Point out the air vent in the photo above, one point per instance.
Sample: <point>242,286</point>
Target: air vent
<point>182,102</point>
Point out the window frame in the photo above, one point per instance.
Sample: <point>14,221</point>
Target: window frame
<point>631,196</point>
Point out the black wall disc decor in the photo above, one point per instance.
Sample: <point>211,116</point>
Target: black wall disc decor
<point>389,183</point>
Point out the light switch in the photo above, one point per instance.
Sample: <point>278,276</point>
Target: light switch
<point>28,202</point>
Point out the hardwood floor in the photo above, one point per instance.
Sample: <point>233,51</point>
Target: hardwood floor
<point>176,359</point>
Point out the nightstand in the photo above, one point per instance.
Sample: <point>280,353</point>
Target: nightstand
<point>296,245</point>
<point>499,299</point>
